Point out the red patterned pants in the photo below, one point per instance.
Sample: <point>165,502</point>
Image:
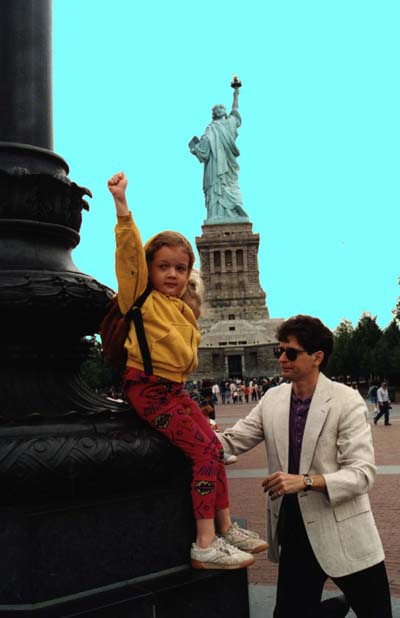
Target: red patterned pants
<point>169,409</point>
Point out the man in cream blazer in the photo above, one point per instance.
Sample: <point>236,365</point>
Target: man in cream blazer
<point>321,467</point>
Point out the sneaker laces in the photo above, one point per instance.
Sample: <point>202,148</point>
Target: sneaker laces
<point>248,534</point>
<point>223,546</point>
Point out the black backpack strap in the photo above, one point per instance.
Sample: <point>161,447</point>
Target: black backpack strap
<point>135,315</point>
<point>139,302</point>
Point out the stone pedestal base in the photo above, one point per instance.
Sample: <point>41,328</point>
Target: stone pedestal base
<point>183,594</point>
<point>229,271</point>
<point>120,557</point>
<point>60,550</point>
<point>96,520</point>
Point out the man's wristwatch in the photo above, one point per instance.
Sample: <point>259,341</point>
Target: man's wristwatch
<point>308,482</point>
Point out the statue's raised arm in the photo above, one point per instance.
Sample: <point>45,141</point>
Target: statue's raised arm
<point>235,104</point>
<point>217,150</point>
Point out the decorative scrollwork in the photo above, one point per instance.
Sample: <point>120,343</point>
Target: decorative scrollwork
<point>75,300</point>
<point>42,197</point>
<point>75,457</point>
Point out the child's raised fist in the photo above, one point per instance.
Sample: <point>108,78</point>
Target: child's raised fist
<point>117,184</point>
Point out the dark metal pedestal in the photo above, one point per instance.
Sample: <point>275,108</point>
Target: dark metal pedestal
<point>183,594</point>
<point>118,556</point>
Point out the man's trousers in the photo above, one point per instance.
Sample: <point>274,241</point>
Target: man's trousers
<point>383,410</point>
<point>301,579</point>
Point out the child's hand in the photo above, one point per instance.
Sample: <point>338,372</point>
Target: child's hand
<point>117,185</point>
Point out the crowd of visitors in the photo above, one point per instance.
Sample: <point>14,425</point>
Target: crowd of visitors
<point>234,390</point>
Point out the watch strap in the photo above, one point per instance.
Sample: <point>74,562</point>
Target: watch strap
<point>308,481</point>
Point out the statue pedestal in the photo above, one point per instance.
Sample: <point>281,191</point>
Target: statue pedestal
<point>237,334</point>
<point>229,270</point>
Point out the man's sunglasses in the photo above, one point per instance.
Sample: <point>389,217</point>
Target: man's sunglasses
<point>291,353</point>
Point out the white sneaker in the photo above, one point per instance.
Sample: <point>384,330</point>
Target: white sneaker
<point>219,555</point>
<point>243,539</point>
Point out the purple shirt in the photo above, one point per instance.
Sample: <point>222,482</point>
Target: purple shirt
<point>297,422</point>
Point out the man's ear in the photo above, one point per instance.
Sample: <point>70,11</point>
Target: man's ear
<point>319,357</point>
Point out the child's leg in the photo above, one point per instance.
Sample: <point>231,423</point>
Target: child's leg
<point>205,532</point>
<point>168,409</point>
<point>206,527</point>
<point>223,520</point>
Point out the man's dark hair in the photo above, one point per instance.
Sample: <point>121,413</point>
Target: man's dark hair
<point>311,334</point>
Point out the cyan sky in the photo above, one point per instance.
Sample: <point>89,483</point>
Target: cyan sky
<point>320,164</point>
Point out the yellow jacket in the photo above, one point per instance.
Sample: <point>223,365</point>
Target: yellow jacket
<point>169,323</point>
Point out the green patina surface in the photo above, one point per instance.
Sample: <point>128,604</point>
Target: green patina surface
<point>217,151</point>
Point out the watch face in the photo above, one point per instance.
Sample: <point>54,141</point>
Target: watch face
<point>308,481</point>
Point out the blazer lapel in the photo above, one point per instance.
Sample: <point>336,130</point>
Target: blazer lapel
<point>316,417</point>
<point>281,427</point>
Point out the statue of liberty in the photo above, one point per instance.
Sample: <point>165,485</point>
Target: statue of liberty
<point>218,151</point>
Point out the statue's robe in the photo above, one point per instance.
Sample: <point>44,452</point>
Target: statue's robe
<point>218,151</point>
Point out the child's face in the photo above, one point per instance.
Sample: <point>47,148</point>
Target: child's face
<point>169,270</point>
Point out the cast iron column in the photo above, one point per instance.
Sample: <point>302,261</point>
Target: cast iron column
<point>47,305</point>
<point>26,73</point>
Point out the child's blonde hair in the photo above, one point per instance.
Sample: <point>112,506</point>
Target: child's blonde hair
<point>168,239</point>
<point>193,295</point>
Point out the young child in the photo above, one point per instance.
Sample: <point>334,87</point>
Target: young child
<point>193,296</point>
<point>171,330</point>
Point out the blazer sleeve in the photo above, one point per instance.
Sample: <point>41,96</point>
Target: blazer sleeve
<point>355,454</point>
<point>245,434</point>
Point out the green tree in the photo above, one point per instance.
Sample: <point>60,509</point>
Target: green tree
<point>396,311</point>
<point>342,359</point>
<point>95,371</point>
<point>365,338</point>
<point>388,353</point>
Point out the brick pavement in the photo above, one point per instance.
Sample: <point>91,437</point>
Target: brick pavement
<point>248,500</point>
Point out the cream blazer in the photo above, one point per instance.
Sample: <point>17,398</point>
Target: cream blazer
<point>337,443</point>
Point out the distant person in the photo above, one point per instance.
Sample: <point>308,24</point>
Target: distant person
<point>163,266</point>
<point>321,467</point>
<point>206,400</point>
<point>265,385</point>
<point>216,392</point>
<point>383,400</point>
<point>234,394</point>
<point>227,392</point>
<point>373,398</point>
<point>253,391</point>
<point>222,390</point>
